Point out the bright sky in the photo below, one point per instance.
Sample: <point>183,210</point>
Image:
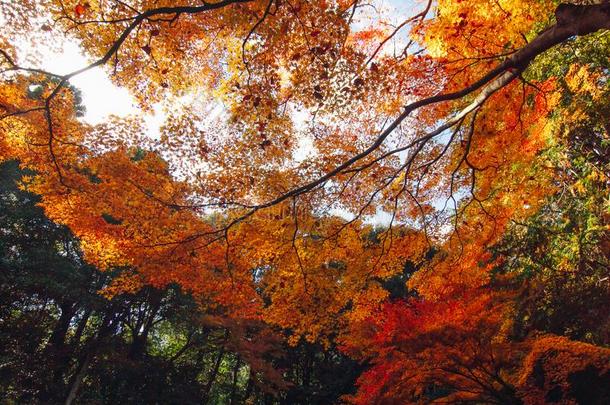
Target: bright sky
<point>100,96</point>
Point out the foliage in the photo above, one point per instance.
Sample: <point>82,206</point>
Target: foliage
<point>239,255</point>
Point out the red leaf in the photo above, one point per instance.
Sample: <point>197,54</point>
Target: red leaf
<point>80,10</point>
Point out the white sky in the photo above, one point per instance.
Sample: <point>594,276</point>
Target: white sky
<point>101,97</point>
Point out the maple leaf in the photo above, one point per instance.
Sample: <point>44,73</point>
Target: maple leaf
<point>80,9</point>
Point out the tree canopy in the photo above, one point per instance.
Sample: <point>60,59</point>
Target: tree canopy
<point>419,197</point>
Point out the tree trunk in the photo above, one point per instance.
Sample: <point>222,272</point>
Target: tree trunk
<point>233,396</point>
<point>58,336</point>
<point>58,355</point>
<point>108,323</point>
<point>213,375</point>
<point>78,378</point>
<point>214,370</point>
<point>140,338</point>
<point>80,329</point>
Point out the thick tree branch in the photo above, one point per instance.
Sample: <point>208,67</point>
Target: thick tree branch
<point>572,21</point>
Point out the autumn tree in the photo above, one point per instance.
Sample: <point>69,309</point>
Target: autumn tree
<point>330,112</point>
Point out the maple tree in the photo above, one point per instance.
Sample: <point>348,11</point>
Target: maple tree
<point>457,136</point>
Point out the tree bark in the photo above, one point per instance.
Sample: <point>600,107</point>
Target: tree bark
<point>108,324</point>
<point>214,370</point>
<point>58,336</point>
<point>140,338</point>
<point>233,396</point>
<point>81,328</point>
<point>58,354</point>
<point>213,375</point>
<point>78,378</point>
